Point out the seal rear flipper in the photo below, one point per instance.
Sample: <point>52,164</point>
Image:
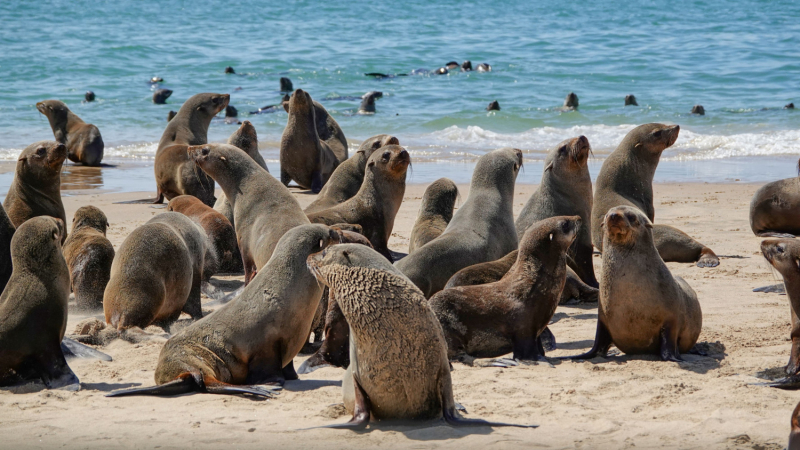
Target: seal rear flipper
<point>314,362</point>
<point>707,258</point>
<point>547,340</point>
<point>602,342</point>
<point>453,419</point>
<point>214,386</point>
<point>156,201</point>
<point>669,345</point>
<point>285,177</point>
<point>775,234</point>
<point>773,288</point>
<point>789,383</point>
<point>75,349</point>
<point>316,181</point>
<point>183,385</point>
<point>361,413</point>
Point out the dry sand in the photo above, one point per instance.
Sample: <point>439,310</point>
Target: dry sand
<point>619,402</point>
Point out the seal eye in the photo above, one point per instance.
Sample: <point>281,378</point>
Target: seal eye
<point>780,248</point>
<point>657,134</point>
<point>41,151</point>
<point>205,151</point>
<point>386,156</point>
<point>631,218</point>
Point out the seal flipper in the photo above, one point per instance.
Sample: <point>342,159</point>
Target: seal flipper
<point>183,385</point>
<point>156,201</point>
<point>773,288</point>
<point>547,340</point>
<point>361,414</point>
<point>72,348</point>
<point>602,342</point>
<point>775,234</point>
<point>55,372</point>
<point>708,258</point>
<point>214,386</point>
<point>669,344</point>
<point>789,383</point>
<point>285,177</point>
<point>449,409</point>
<point>316,181</point>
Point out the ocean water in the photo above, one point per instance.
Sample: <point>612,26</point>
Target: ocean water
<point>739,59</point>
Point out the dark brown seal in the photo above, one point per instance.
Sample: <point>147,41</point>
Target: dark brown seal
<point>220,232</point>
<point>494,105</point>
<point>160,96</point>
<point>699,110</point>
<point>775,209</point>
<point>490,320</point>
<point>626,178</point>
<point>6,233</point>
<point>630,99</point>
<point>435,212</point>
<point>253,339</point>
<point>36,189</point>
<point>643,308</point>
<point>33,308</point>
<point>375,205</point>
<point>571,101</point>
<point>565,190</point>
<point>83,140</point>
<point>89,255</point>
<point>399,368</point>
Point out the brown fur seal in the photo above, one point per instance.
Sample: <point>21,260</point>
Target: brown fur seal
<point>253,339</point>
<point>220,232</point>
<point>375,205</point>
<point>6,233</point>
<point>493,106</point>
<point>156,274</point>
<point>490,320</point>
<point>89,255</point>
<point>36,189</point>
<point>643,308</point>
<point>435,212</point>
<point>346,180</point>
<point>630,99</point>
<point>83,140</point>
<point>566,189</point>
<point>33,308</point>
<point>263,208</point>
<point>775,209</point>
<point>160,96</point>
<point>699,110</point>
<point>398,356</point>
<point>626,178</point>
<point>89,96</point>
<point>305,157</point>
<point>794,436</point>
<point>571,101</point>
<point>481,230</point>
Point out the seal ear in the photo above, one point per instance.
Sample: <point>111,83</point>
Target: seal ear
<point>371,163</point>
<point>549,167</point>
<point>648,225</point>
<point>637,145</point>
<point>224,159</point>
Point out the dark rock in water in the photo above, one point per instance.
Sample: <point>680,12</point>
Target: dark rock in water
<point>494,106</point>
<point>286,85</point>
<point>89,96</point>
<point>789,106</point>
<point>160,96</point>
<point>229,69</point>
<point>171,114</point>
<point>699,110</point>
<point>630,99</point>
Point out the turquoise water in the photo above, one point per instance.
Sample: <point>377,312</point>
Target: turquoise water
<point>740,60</point>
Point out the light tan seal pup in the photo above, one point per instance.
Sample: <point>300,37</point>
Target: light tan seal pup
<point>435,212</point>
<point>490,320</point>
<point>253,339</point>
<point>565,190</point>
<point>83,140</point>
<point>481,230</point>
<point>346,180</point>
<point>643,308</point>
<point>89,255</point>
<point>263,208</point>
<point>375,205</point>
<point>775,209</point>
<point>33,308</point>
<point>305,156</point>
<point>220,232</point>
<point>398,356</point>
<point>626,178</point>
<point>36,189</point>
<point>156,274</point>
<point>6,233</point>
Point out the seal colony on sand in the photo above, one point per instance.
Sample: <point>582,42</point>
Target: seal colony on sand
<point>775,209</point>
<point>411,379</point>
<point>435,212</point>
<point>89,255</point>
<point>481,230</point>
<point>83,140</point>
<point>253,339</point>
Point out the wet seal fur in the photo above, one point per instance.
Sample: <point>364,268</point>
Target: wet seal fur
<point>409,380</point>
<point>626,178</point>
<point>643,308</point>
<point>89,255</point>
<point>565,190</point>
<point>220,232</point>
<point>253,339</point>
<point>33,308</point>
<point>481,230</point>
<point>263,208</point>
<point>83,140</point>
<point>435,212</point>
<point>375,205</point>
<point>775,209</point>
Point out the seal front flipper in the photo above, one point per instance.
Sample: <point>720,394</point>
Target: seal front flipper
<point>669,345</point>
<point>547,340</point>
<point>56,374</point>
<point>708,258</point>
<point>156,201</point>
<point>773,288</point>
<point>285,177</point>
<point>72,348</point>
<point>316,181</point>
<point>602,342</point>
<point>183,385</point>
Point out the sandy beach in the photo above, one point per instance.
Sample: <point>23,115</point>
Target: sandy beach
<point>618,402</point>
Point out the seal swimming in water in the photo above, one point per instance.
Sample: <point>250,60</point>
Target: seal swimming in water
<point>435,212</point>
<point>33,308</point>
<point>368,102</point>
<point>89,96</point>
<point>375,205</point>
<point>626,178</point>
<point>484,67</point>
<point>398,356</point>
<point>346,180</point>
<point>160,96</point>
<point>36,189</point>
<point>263,208</point>
<point>89,255</point>
<point>481,230</point>
<point>229,69</point>
<point>630,99</point>
<point>493,106</point>
<point>565,190</point>
<point>643,308</point>
<point>83,140</point>
<point>571,102</point>
<point>253,339</point>
<point>7,230</point>
<point>286,85</point>
<point>698,110</point>
<point>220,232</point>
<point>775,209</point>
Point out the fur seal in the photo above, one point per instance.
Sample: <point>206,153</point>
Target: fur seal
<point>171,115</point>
<point>33,308</point>
<point>160,96</point>
<point>155,80</point>
<point>466,66</point>
<point>626,178</point>
<point>305,156</point>
<point>643,308</point>
<point>571,101</point>
<point>481,230</point>
<point>409,379</point>
<point>89,255</point>
<point>630,99</point>
<point>263,209</point>
<point>156,274</point>
<point>89,96</point>
<point>368,102</point>
<point>346,180</point>
<point>484,67</point>
<point>452,65</point>
<point>698,110</point>
<point>229,69</point>
<point>489,320</point>
<point>493,106</point>
<point>775,209</point>
<point>789,106</point>
<point>435,212</point>
<point>565,190</point>
<point>375,205</point>
<point>231,115</point>
<point>794,436</point>
<point>286,85</point>
<point>83,140</point>
<point>7,230</point>
<point>220,232</point>
<point>36,189</point>
<point>253,339</point>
